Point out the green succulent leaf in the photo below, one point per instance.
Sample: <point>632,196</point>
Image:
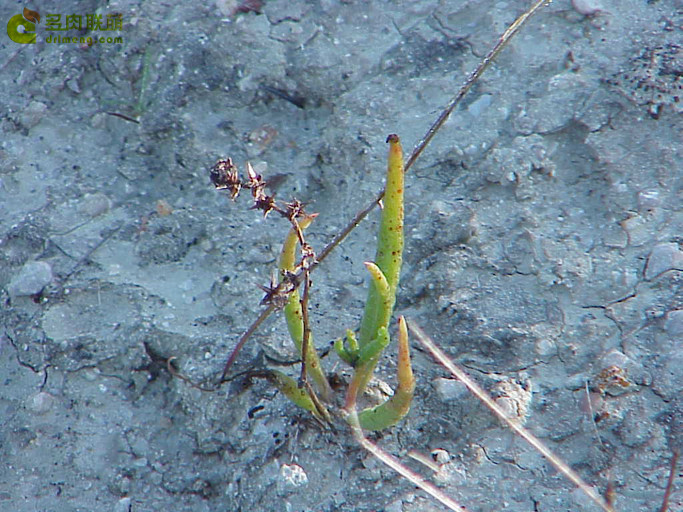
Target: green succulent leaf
<point>290,388</point>
<point>395,408</point>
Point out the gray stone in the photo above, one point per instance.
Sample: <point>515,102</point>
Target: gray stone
<point>32,115</point>
<point>123,505</point>
<point>31,279</point>
<point>450,389</point>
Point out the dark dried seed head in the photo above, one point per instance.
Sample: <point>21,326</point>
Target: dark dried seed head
<point>264,203</point>
<point>295,209</point>
<point>224,175</point>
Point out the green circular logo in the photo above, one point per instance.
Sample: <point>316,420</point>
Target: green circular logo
<point>21,27</point>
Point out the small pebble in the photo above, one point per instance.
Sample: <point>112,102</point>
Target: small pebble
<point>613,380</point>
<point>73,85</point>
<point>450,389</point>
<point>31,279</point>
<point>293,475</point>
<point>441,456</point>
<point>94,205</point>
<point>41,403</point>
<point>648,199</point>
<point>123,505</point>
<point>629,371</point>
<point>586,7</point>
<point>664,257</point>
<point>478,106</point>
<point>33,113</point>
<point>514,398</point>
<point>615,358</point>
<point>163,208</point>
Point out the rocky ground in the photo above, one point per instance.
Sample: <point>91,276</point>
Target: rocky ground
<point>543,250</point>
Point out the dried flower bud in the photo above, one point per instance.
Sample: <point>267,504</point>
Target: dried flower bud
<point>290,279</point>
<point>255,182</point>
<point>307,253</point>
<point>277,294</point>
<point>265,203</point>
<point>224,175</point>
<point>295,209</point>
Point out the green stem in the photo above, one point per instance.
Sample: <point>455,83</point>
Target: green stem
<point>295,317</point>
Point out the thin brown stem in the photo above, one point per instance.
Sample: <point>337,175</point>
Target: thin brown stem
<point>474,76</point>
<point>670,482</point>
<point>175,373</point>
<point>443,117</point>
<point>401,469</point>
<point>297,228</point>
<point>482,395</point>
<point>339,237</point>
<point>307,327</point>
<point>320,407</point>
<point>243,339</point>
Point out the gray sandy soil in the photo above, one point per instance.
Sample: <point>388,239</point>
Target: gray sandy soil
<point>543,251</point>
